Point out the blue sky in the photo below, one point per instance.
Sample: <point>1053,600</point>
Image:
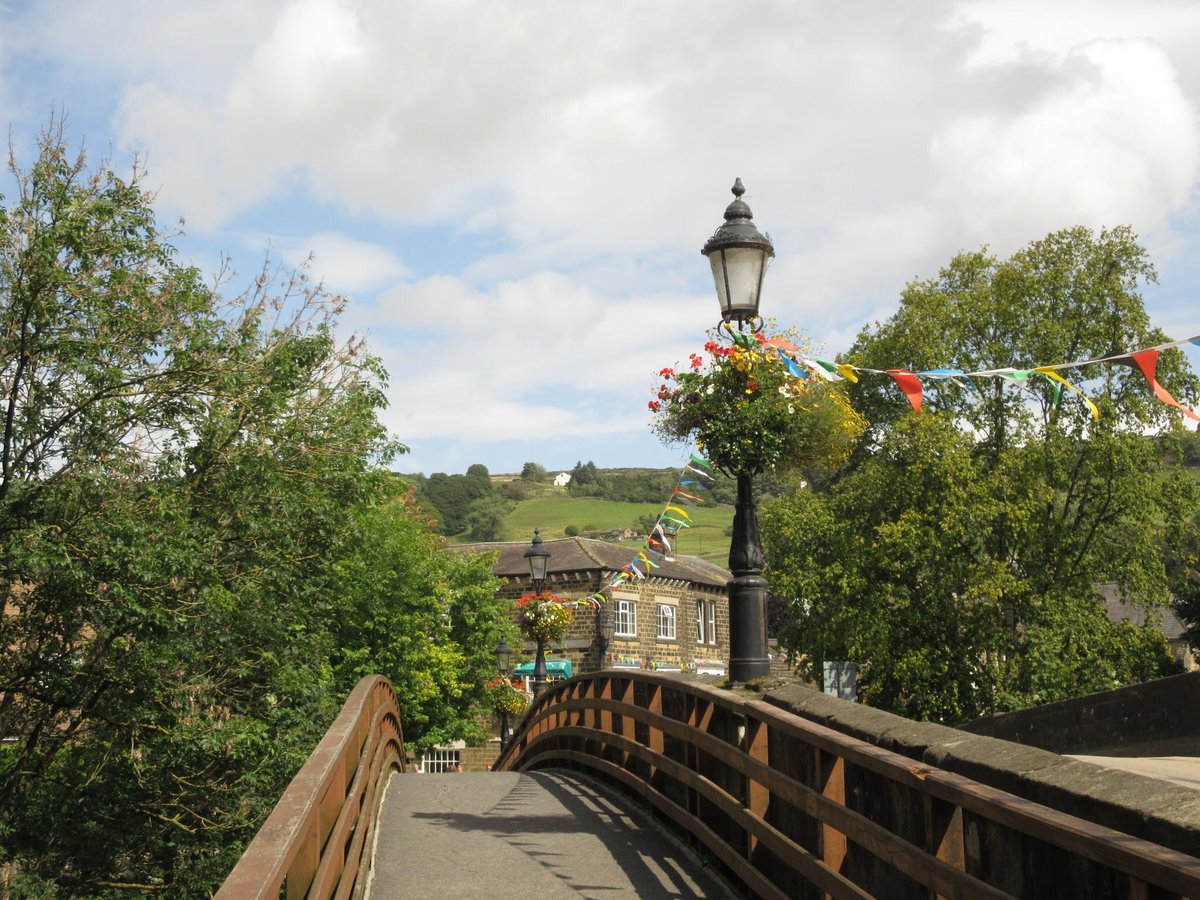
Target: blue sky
<point>513,195</point>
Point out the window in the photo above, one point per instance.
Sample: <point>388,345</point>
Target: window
<point>626,618</point>
<point>439,760</point>
<point>706,621</point>
<point>666,622</point>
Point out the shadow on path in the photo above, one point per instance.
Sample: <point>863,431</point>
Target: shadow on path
<point>541,834</point>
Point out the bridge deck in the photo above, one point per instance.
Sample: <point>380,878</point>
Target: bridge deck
<point>546,835</point>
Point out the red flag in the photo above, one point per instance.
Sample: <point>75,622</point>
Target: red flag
<point>911,385</point>
<point>1147,362</point>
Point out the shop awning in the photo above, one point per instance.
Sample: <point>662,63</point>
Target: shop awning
<point>559,668</point>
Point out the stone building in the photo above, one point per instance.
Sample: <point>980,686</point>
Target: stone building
<point>676,619</point>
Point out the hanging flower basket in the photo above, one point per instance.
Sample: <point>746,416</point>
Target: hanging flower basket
<point>507,698</point>
<point>544,617</point>
<point>750,409</point>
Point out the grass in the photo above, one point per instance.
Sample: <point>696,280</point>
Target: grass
<point>554,512</point>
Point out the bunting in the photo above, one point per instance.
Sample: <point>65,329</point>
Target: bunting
<point>656,548</point>
<point>696,474</point>
<point>1146,361</point>
<point>912,383</point>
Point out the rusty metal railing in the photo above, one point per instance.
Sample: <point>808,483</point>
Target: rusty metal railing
<point>317,840</point>
<point>794,809</point>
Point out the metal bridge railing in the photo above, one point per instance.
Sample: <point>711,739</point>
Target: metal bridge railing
<point>794,809</point>
<point>317,840</point>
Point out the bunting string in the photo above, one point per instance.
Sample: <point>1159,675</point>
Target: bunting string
<point>696,475</point>
<point>912,384</point>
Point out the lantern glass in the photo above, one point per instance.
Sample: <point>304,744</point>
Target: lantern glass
<point>504,657</point>
<point>538,557</point>
<point>738,274</point>
<point>607,629</point>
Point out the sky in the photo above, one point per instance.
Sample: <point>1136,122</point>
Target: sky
<point>513,195</point>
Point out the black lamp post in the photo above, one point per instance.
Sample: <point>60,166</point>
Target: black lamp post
<point>606,631</point>
<point>504,664</point>
<point>739,256</point>
<point>539,558</point>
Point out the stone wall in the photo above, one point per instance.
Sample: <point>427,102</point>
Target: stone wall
<point>1156,718</point>
<point>646,648</point>
<point>1149,808</point>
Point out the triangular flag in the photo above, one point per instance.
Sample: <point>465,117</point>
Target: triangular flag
<point>778,343</point>
<point>793,367</point>
<point>1060,381</point>
<point>911,385</point>
<point>1146,362</point>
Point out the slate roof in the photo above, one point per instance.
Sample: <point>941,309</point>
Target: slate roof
<point>1118,610</point>
<point>579,554</point>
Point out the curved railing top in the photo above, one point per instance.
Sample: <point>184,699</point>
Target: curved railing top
<point>314,839</point>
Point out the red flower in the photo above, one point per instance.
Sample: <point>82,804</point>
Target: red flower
<point>654,405</point>
<point>667,373</point>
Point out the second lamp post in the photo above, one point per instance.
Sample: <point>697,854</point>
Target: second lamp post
<point>539,557</point>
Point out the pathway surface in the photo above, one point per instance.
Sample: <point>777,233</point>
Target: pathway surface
<point>548,835</point>
<point>1182,770</point>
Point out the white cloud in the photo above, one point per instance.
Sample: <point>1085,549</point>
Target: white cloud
<point>515,195</point>
<point>543,350</point>
<point>343,264</point>
<point>1112,140</point>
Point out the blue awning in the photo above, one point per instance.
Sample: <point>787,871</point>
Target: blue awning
<point>561,668</point>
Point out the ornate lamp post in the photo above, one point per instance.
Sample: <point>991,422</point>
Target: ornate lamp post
<point>739,256</point>
<point>607,629</point>
<point>504,664</point>
<point>538,557</point>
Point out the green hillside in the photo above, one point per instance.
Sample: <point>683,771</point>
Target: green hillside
<point>554,512</point>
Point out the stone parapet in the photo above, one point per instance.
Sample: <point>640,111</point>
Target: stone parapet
<point>1148,808</point>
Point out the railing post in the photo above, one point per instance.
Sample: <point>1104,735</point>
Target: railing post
<point>832,772</point>
<point>700,713</point>
<point>945,822</point>
<point>654,735</point>
<point>628,723</point>
<point>758,795</point>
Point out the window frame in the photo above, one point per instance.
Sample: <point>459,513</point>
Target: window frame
<point>671,619</point>
<point>625,613</point>
<point>706,622</point>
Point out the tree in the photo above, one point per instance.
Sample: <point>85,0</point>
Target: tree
<point>486,518</point>
<point>428,619</point>
<point>478,470</point>
<point>452,497</point>
<point>180,475</point>
<point>531,471</point>
<point>956,557</point>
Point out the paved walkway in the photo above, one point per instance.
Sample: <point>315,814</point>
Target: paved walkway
<point>1182,770</point>
<point>500,835</point>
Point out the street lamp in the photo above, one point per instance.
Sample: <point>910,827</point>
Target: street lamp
<point>607,629</point>
<point>538,557</point>
<point>739,255</point>
<point>504,664</point>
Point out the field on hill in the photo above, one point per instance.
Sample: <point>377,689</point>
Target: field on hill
<point>555,512</point>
